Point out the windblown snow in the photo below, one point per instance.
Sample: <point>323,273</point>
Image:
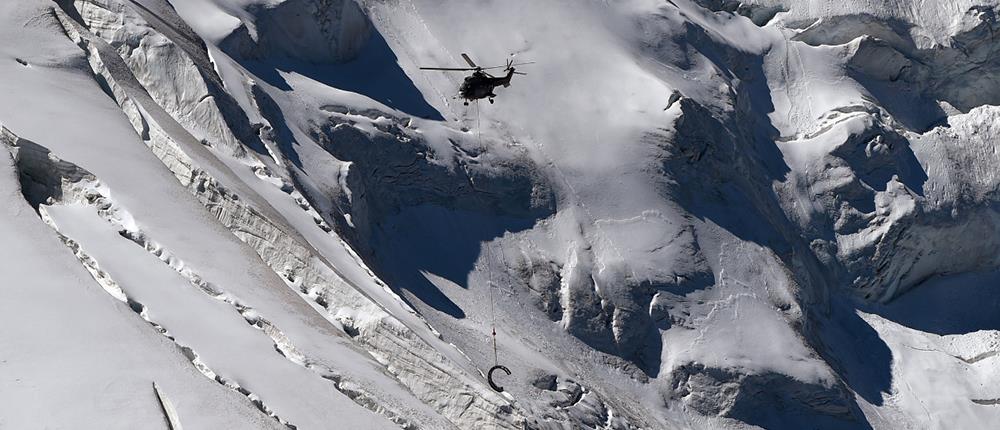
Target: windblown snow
<point>689,214</point>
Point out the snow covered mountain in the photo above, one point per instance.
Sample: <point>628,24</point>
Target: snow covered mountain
<point>690,214</point>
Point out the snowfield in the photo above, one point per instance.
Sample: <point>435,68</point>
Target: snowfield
<point>689,214</point>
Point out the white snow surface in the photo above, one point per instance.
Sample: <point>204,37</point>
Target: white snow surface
<point>691,214</point>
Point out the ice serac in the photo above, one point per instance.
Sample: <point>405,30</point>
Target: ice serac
<point>393,167</point>
<point>886,187</point>
<point>168,60</point>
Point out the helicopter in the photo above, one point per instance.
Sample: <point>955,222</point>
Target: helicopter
<point>481,84</point>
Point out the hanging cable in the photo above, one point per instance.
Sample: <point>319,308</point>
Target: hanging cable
<point>489,258</point>
<point>489,280</point>
<point>493,315</point>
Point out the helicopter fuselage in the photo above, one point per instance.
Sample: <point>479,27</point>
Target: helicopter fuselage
<point>480,85</point>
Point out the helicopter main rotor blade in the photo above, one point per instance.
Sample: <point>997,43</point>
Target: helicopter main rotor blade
<point>521,64</point>
<point>453,69</point>
<point>469,60</point>
<point>520,73</point>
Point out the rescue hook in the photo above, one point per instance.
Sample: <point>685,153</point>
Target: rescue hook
<point>489,377</point>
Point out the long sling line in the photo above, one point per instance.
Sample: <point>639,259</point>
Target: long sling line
<point>489,258</point>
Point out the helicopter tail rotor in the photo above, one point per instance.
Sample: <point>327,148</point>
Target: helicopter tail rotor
<point>511,64</point>
<point>510,67</point>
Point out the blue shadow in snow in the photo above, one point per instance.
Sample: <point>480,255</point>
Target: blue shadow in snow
<point>375,73</point>
<point>956,304</point>
<point>442,242</point>
<point>856,351</point>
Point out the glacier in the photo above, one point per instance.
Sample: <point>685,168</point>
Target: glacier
<point>690,214</point>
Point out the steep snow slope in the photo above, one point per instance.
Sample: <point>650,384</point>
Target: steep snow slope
<point>689,214</point>
<point>70,354</point>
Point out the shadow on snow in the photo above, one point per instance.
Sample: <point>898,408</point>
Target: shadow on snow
<point>432,240</point>
<point>375,73</point>
<point>948,305</point>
